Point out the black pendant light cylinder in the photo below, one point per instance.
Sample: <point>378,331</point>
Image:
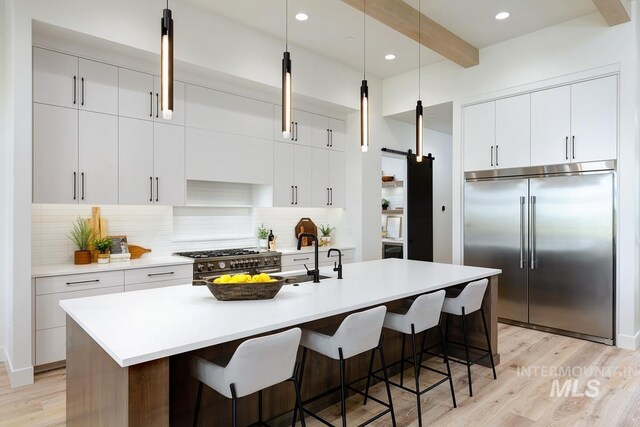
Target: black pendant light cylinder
<point>166,60</point>
<point>419,130</point>
<point>286,95</point>
<point>364,116</point>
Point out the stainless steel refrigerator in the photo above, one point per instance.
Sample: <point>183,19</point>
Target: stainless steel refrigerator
<point>551,231</point>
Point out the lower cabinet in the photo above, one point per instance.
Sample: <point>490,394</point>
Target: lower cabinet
<point>50,319</point>
<point>293,262</point>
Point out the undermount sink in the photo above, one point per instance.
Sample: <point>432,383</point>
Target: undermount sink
<point>301,278</point>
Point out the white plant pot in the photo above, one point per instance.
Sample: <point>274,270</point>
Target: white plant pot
<point>104,260</point>
<point>263,243</point>
<point>325,241</point>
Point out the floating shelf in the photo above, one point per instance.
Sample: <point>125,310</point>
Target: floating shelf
<point>393,212</point>
<point>393,184</point>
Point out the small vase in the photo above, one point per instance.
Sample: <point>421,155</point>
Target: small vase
<point>82,257</point>
<point>384,208</point>
<point>103,258</point>
<point>263,243</point>
<point>325,241</point>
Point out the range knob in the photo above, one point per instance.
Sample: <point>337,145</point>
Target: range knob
<point>210,266</point>
<point>200,267</point>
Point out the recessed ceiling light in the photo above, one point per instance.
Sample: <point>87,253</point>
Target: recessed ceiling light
<point>390,57</point>
<point>302,16</point>
<point>502,15</point>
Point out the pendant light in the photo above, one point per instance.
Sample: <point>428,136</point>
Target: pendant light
<point>166,60</point>
<point>364,89</point>
<point>419,113</point>
<point>286,79</point>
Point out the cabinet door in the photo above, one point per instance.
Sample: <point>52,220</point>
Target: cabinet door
<point>98,87</point>
<point>513,132</point>
<point>321,134</point>
<point>302,171</point>
<point>550,126</point>
<point>168,164</point>
<point>594,119</point>
<point>320,178</point>
<point>55,78</point>
<point>336,179</point>
<point>135,159</point>
<point>283,189</point>
<point>55,154</point>
<point>98,158</point>
<point>303,127</point>
<point>336,134</point>
<point>135,94</point>
<point>479,136</point>
<point>177,117</point>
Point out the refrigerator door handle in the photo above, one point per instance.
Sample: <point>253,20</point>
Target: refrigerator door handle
<point>522,231</point>
<point>533,233</point>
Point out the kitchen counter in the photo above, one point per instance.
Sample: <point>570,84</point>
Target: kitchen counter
<point>65,269</point>
<point>145,337</point>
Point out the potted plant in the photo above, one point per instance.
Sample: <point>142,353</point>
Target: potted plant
<point>81,236</point>
<point>103,246</point>
<point>325,239</point>
<point>385,204</point>
<point>263,235</point>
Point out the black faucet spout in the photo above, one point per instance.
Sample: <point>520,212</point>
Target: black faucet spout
<point>337,266</point>
<point>316,271</point>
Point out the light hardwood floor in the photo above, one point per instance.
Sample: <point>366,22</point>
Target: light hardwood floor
<point>512,400</point>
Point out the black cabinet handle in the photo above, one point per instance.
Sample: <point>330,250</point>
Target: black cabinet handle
<point>75,183</point>
<point>82,94</point>
<point>573,147</point>
<point>157,187</point>
<point>496,155</point>
<point>331,194</point>
<point>80,282</point>
<point>301,259</point>
<point>151,189</point>
<point>296,131</point>
<point>150,104</point>
<point>296,194</point>
<point>327,196</point>
<point>492,155</point>
<point>566,148</point>
<point>331,139</point>
<point>328,138</point>
<point>74,90</point>
<point>292,194</point>
<point>82,176</point>
<point>157,104</point>
<point>168,273</point>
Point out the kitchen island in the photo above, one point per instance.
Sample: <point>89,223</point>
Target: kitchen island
<point>127,354</point>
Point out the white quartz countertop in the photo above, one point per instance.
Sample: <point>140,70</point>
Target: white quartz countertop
<point>137,327</point>
<point>144,262</point>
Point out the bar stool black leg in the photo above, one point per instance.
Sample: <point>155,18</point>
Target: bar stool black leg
<point>295,411</point>
<point>386,382</point>
<point>466,349</point>
<point>486,334</point>
<point>446,362</point>
<point>402,360</point>
<point>260,421</point>
<point>196,415</point>
<point>343,402</point>
<point>298,403</point>
<point>366,391</point>
<point>234,406</point>
<point>416,374</point>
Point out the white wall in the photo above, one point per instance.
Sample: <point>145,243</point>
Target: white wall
<point>3,156</point>
<point>557,54</point>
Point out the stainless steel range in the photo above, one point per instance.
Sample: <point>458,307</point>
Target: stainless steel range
<point>232,261</point>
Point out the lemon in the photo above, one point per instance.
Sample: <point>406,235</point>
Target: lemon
<point>224,278</point>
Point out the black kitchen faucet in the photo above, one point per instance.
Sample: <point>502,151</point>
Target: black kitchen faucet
<point>337,266</point>
<point>316,271</point>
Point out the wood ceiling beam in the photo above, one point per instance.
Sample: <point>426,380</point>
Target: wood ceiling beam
<point>403,18</point>
<point>612,11</point>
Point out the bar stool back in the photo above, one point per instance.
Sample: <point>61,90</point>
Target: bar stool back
<point>257,364</point>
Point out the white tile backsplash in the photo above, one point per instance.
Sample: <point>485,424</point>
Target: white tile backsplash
<point>166,229</point>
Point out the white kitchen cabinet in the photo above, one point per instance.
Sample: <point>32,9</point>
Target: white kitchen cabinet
<point>513,132</point>
<point>216,156</point>
<point>135,94</point>
<point>328,133</point>
<point>551,126</point>
<point>328,178</point>
<point>135,160</point>
<point>98,158</point>
<point>292,175</point>
<point>296,261</point>
<point>168,164</point>
<point>223,112</point>
<point>594,119</point>
<point>479,130</point>
<point>302,130</point>
<point>178,115</point>
<point>55,78</point>
<point>336,134</point>
<point>157,277</point>
<point>98,87</point>
<point>55,154</point>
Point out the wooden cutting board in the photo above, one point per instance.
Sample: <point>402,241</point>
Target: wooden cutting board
<point>305,225</point>
<point>137,251</point>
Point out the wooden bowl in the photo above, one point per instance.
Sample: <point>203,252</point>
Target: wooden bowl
<point>388,178</point>
<point>244,291</point>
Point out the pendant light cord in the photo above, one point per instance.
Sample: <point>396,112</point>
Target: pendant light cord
<point>286,25</point>
<point>364,41</point>
<point>419,39</point>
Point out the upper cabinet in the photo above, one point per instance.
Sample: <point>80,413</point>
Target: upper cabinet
<point>223,112</point>
<point>67,81</point>
<point>301,127</point>
<point>178,115</point>
<point>328,133</point>
<point>135,95</point>
<point>566,124</point>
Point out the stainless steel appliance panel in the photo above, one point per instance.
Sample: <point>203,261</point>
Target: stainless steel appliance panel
<point>496,236</point>
<point>571,253</point>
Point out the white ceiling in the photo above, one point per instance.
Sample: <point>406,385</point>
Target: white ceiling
<point>332,21</point>
<point>436,117</point>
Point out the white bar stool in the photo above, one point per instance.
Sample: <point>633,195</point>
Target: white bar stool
<point>423,314</point>
<point>257,364</point>
<point>467,302</point>
<point>358,333</point>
